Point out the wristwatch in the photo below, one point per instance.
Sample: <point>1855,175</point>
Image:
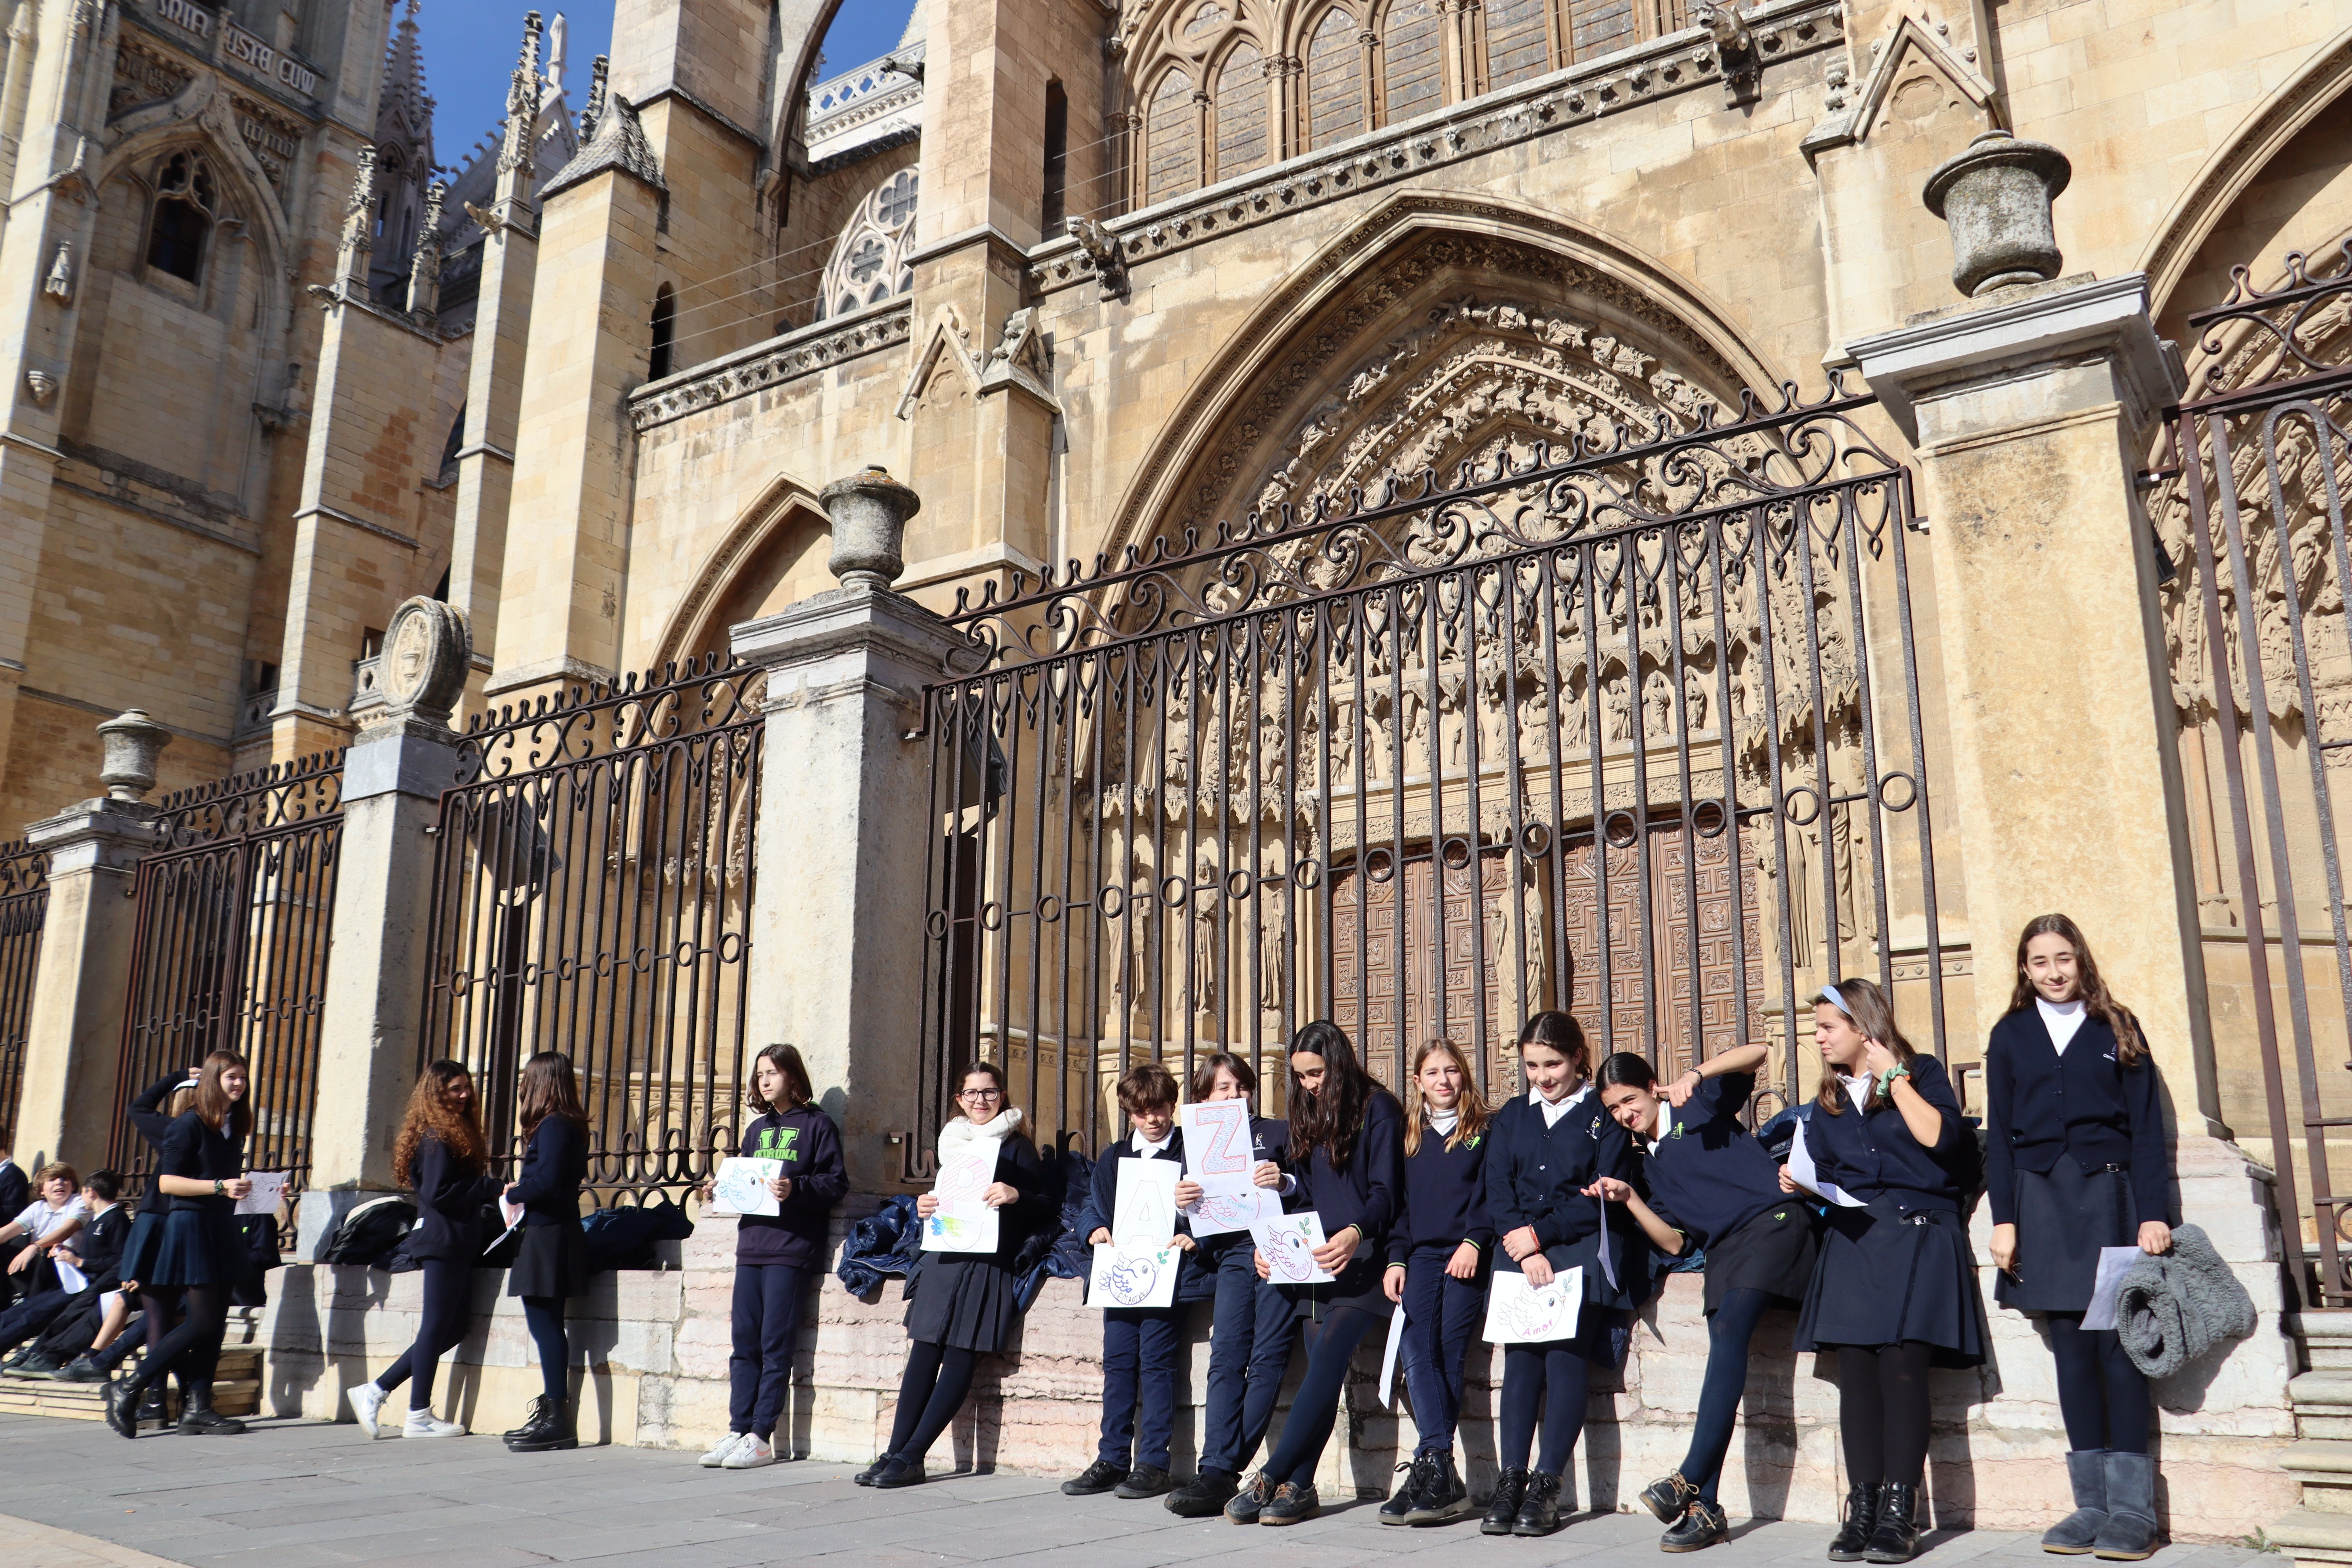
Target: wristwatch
<point>220,1188</point>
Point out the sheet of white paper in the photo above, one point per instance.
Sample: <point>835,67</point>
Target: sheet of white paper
<point>509,1212</point>
<point>1389,1358</point>
<point>1132,1276</point>
<point>70,1279</point>
<point>741,1187</point>
<point>2115,1262</point>
<point>499,1239</point>
<point>1220,1214</point>
<point>268,1192</point>
<point>1518,1313</point>
<point>1147,1204</point>
<point>1217,1145</point>
<point>962,1222</point>
<point>1802,1172</point>
<point>1608,1245</point>
<point>1289,1242</point>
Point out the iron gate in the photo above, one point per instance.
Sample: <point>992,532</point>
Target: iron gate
<point>592,889</point>
<point>24,908</point>
<point>229,951</point>
<point>1632,728</point>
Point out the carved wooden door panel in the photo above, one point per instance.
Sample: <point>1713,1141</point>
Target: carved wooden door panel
<point>1712,931</point>
<point>1624,1025</point>
<point>1386,998</point>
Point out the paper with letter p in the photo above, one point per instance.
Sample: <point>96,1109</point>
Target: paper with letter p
<point>1217,1145</point>
<point>2115,1262</point>
<point>741,1187</point>
<point>962,1222</point>
<point>1289,1242</point>
<point>1146,1215</point>
<point>1518,1313</point>
<point>1802,1172</point>
<point>1132,1276</point>
<point>268,1192</point>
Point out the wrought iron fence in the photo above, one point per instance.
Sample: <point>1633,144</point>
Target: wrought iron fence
<point>2251,512</point>
<point>592,891</point>
<point>229,951</point>
<point>24,908</point>
<point>1631,727</point>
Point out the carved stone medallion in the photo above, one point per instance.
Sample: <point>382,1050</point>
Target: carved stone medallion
<point>426,656</point>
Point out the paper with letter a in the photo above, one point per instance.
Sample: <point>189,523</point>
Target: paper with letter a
<point>1217,1145</point>
<point>1389,1358</point>
<point>1518,1313</point>
<point>2115,1262</point>
<point>1802,1172</point>
<point>1289,1242</point>
<point>1132,1276</point>
<point>962,1222</point>
<point>1146,1215</point>
<point>268,1192</point>
<point>741,1187</point>
<point>1219,1214</point>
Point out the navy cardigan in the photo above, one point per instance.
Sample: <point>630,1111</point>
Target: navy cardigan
<point>553,1167</point>
<point>1195,1279</point>
<point>1368,1192</point>
<point>2084,1103</point>
<point>1707,1177</point>
<point>1536,1177</point>
<point>449,1199</point>
<point>1444,1195</point>
<point>1875,1156</point>
<point>192,1149</point>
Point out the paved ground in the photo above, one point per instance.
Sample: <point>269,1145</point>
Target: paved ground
<point>301,1495</point>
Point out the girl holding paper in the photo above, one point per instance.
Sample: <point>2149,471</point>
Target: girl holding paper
<point>441,1154</point>
<point>1895,1292</point>
<point>966,1305</point>
<point>2075,1162</point>
<point>1712,1185</point>
<point>776,1255</point>
<point>1547,1148</point>
<point>552,1265</point>
<point>1346,1149</point>
<point>201,1250</point>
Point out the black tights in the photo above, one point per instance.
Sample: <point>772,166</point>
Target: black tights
<point>931,1391</point>
<point>1314,1409</point>
<point>543,1316</point>
<point>1556,1377</point>
<point>158,1308</point>
<point>448,1313</point>
<point>1883,1411</point>
<point>193,1349</point>
<point>2103,1396</point>
<point>1728,1330</point>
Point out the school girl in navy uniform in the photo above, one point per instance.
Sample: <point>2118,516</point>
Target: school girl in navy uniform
<point>158,1304</point>
<point>1437,1272</point>
<point>2075,1159</point>
<point>552,1265</point>
<point>1710,1185</point>
<point>966,1304</point>
<point>777,1255</point>
<point>1895,1292</point>
<point>201,1251</point>
<point>1346,1149</point>
<point>1253,1327</point>
<point>1547,1148</point>
<point>440,1153</point>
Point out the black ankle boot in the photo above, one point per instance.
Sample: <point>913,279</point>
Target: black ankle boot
<point>549,1429</point>
<point>532,1415</point>
<point>1861,1518</point>
<point>1510,1490</point>
<point>121,1409</point>
<point>1443,1498</point>
<point>1897,1539</point>
<point>1540,1513</point>
<point>199,1419</point>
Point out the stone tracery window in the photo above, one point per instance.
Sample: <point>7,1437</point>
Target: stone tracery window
<point>869,265</point>
<point>1241,112</point>
<point>1413,65</point>
<point>185,206</point>
<point>1172,131</point>
<point>1335,80</point>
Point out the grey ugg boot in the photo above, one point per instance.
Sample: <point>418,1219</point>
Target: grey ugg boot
<point>2130,1533</point>
<point>2079,1530</point>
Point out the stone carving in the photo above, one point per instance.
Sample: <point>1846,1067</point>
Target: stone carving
<point>869,512</point>
<point>41,386</point>
<point>523,90</point>
<point>143,73</point>
<point>1103,254</point>
<point>274,140</point>
<point>133,745</point>
<point>424,267</point>
<point>1996,196</point>
<point>427,650</point>
<point>773,364</point>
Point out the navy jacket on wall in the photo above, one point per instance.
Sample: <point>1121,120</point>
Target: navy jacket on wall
<point>2084,1103</point>
<point>1875,1156</point>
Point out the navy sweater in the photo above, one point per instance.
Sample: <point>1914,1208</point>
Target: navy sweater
<point>1876,1157</point>
<point>797,1236</point>
<point>1535,1176</point>
<point>553,1167</point>
<point>2085,1104</point>
<point>192,1150</point>
<point>147,1119</point>
<point>449,1199</point>
<point>1369,1191</point>
<point>1444,1195</point>
<point>1707,1176</point>
<point>99,1244</point>
<point>1195,1280</point>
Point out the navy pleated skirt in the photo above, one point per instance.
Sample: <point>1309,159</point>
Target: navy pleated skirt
<point>199,1247</point>
<point>552,1261</point>
<point>2063,1220</point>
<point>1885,1278</point>
<point>146,1239</point>
<point>968,1303</point>
<point>1775,1253</point>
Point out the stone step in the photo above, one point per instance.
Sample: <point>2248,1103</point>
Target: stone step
<point>2323,1403</point>
<point>2323,1467</point>
<point>2325,1335</point>
<point>237,1391</point>
<point>2310,1536</point>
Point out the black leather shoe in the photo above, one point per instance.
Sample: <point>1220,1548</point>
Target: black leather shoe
<point>1205,1495</point>
<point>548,1431</point>
<point>1249,1499</point>
<point>1852,1538</point>
<point>532,1415</point>
<point>1143,1481</point>
<point>1292,1504</point>
<point>865,1477</point>
<point>1443,1498</point>
<point>1670,1498</point>
<point>1095,1479</point>
<point>150,1405</point>
<point>899,1473</point>
<point>1401,1502</point>
<point>81,1369</point>
<point>1539,1513</point>
<point>200,1420</point>
<point>1503,1512</point>
<point>1897,1539</point>
<point>1701,1526</point>
<point>121,1409</point>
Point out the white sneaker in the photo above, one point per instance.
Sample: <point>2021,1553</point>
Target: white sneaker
<point>751,1453</point>
<point>424,1424</point>
<point>722,1449</point>
<point>366,1400</point>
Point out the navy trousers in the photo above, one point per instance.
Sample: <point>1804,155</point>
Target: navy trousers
<point>767,1325</point>
<point>1138,1379</point>
<point>1441,1313</point>
<point>1249,1350</point>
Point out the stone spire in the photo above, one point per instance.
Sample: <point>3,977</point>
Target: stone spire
<point>595,109</point>
<point>352,253</point>
<point>404,143</point>
<point>424,267</point>
<point>522,115</point>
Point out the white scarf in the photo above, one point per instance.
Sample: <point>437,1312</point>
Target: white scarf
<point>964,1130</point>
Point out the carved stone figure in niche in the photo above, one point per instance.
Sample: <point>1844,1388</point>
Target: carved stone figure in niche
<point>1695,701</point>
<point>1274,935</point>
<point>1208,949</point>
<point>1129,967</point>
<point>1657,707</point>
<point>1614,698</point>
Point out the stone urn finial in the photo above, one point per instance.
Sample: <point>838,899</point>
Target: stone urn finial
<point>869,512</point>
<point>1996,196</point>
<point>133,741</point>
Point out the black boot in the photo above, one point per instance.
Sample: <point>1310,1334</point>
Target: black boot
<point>1510,1490</point>
<point>121,1409</point>
<point>199,1419</point>
<point>1402,1501</point>
<point>1861,1518</point>
<point>531,1417</point>
<point>1443,1498</point>
<point>1540,1513</point>
<point>1205,1495</point>
<point>549,1430</point>
<point>150,1405</point>
<point>1897,1539</point>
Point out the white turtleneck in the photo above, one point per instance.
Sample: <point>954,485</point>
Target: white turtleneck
<point>1443,1122</point>
<point>2062,1019</point>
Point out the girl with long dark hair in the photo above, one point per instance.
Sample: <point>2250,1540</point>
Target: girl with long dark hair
<point>199,1249</point>
<point>966,1305</point>
<point>1710,1185</point>
<point>2075,1160</point>
<point>1347,1150</point>
<point>552,1265</point>
<point>1895,1292</point>
<point>441,1154</point>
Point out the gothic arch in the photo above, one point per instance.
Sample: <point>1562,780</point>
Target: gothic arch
<point>757,552</point>
<point>155,131</point>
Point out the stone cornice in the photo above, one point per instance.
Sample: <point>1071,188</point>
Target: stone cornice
<point>770,363</point>
<point>1586,91</point>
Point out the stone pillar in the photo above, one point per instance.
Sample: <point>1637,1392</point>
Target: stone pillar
<point>393,778</point>
<point>73,1037</point>
<point>844,820</point>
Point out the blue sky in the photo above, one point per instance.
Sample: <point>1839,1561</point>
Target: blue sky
<point>469,53</point>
